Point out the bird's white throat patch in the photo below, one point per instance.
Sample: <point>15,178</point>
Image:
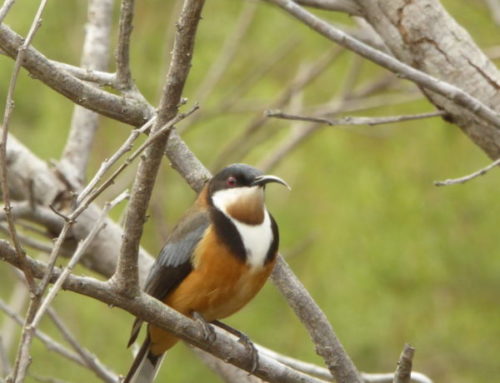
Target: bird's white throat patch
<point>256,238</point>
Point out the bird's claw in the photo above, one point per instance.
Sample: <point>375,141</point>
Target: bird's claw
<point>245,340</point>
<point>208,331</point>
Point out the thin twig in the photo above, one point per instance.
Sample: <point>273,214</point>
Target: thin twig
<point>108,163</point>
<point>324,373</point>
<point>469,177</point>
<point>346,6</point>
<point>354,120</point>
<point>126,276</point>
<point>9,109</point>
<point>403,70</point>
<point>242,143</point>
<point>92,194</point>
<point>92,362</point>
<point>82,247</point>
<point>22,359</point>
<point>403,371</point>
<point>85,74</point>
<point>50,343</point>
<point>123,75</point>
<point>29,241</point>
<point>131,110</point>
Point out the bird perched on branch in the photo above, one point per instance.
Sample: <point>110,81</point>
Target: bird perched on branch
<point>214,261</point>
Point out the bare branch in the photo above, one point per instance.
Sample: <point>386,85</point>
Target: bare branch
<point>91,361</point>
<point>354,120</point>
<point>126,109</point>
<point>85,122</point>
<point>328,346</point>
<point>108,163</point>
<point>403,372</point>
<point>47,189</point>
<point>50,343</point>
<point>85,74</point>
<point>469,177</point>
<point>126,276</point>
<point>82,247</point>
<point>151,310</point>
<point>345,6</point>
<point>241,144</point>
<point>123,75</point>
<point>443,88</point>
<point>227,372</point>
<point>9,108</point>
<point>29,241</point>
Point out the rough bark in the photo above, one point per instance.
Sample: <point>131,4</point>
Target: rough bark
<point>422,34</point>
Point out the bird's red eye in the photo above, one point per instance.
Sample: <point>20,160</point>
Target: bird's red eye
<point>231,181</point>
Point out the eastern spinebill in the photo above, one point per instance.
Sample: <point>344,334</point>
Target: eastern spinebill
<point>214,261</point>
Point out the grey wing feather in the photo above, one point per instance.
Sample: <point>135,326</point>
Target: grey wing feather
<point>174,261</point>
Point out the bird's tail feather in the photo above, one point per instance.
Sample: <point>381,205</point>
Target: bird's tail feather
<point>145,365</point>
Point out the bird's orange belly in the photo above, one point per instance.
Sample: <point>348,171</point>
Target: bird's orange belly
<point>220,285</point>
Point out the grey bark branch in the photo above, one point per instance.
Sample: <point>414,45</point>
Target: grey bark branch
<point>49,342</point>
<point>47,188</point>
<point>450,92</point>
<point>346,6</point>
<point>84,123</point>
<point>464,179</point>
<point>328,346</point>
<point>123,74</point>
<point>126,277</point>
<point>128,110</point>
<point>225,346</point>
<point>90,360</point>
<point>422,34</point>
<point>353,120</point>
<point>403,371</point>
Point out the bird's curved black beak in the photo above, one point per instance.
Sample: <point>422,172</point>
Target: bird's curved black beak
<point>265,179</point>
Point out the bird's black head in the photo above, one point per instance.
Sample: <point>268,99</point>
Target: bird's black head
<point>238,192</point>
<point>240,175</point>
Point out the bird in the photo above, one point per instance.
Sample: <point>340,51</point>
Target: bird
<point>214,261</point>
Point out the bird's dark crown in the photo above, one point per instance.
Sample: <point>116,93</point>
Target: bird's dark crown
<point>233,176</point>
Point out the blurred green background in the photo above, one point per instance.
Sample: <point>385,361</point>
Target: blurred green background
<point>388,256</point>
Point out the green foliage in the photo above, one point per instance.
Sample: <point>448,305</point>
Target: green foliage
<point>393,259</point>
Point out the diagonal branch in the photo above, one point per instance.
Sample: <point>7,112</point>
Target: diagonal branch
<point>126,276</point>
<point>354,120</point>
<point>225,346</point>
<point>346,6</point>
<point>443,88</point>
<point>128,110</point>
<point>328,346</point>
<point>9,109</point>
<point>468,177</point>
<point>91,361</point>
